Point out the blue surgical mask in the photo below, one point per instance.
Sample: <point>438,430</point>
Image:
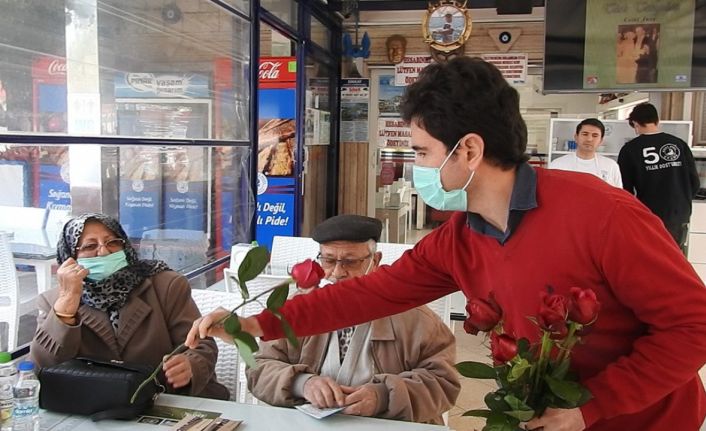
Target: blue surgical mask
<point>427,182</point>
<point>102,267</point>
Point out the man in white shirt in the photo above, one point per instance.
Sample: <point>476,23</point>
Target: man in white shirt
<point>589,136</point>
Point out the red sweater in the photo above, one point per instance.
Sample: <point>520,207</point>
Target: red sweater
<point>642,357</point>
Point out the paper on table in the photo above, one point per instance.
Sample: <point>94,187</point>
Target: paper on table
<point>317,412</point>
<point>195,423</point>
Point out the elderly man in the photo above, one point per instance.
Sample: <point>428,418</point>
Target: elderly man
<point>398,367</point>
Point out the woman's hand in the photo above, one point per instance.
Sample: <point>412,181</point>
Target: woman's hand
<point>70,276</point>
<point>211,325</point>
<point>177,370</point>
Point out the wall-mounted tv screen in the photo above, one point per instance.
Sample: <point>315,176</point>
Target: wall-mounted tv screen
<point>608,45</point>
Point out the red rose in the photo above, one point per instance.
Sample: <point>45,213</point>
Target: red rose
<point>584,306</point>
<point>484,315</point>
<point>468,327</point>
<point>552,311</point>
<point>502,347</point>
<point>307,274</point>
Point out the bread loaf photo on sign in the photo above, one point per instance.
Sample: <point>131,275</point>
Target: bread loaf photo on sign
<point>276,147</point>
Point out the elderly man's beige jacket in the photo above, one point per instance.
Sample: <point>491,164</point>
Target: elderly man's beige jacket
<point>413,353</point>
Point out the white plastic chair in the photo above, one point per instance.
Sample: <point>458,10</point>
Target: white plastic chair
<point>256,286</point>
<point>9,291</point>
<point>390,253</point>
<point>227,365</point>
<point>288,250</point>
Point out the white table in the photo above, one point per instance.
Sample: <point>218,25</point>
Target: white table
<point>254,417</point>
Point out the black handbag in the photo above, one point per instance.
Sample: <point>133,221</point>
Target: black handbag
<point>100,389</point>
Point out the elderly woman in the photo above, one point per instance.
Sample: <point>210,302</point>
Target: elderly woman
<point>110,305</point>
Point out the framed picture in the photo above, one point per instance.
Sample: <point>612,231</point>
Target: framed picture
<point>446,26</point>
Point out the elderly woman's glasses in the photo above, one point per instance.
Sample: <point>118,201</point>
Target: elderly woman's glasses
<point>345,264</point>
<point>112,245</point>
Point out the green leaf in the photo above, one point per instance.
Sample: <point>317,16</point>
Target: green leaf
<point>278,297</point>
<point>232,325</point>
<point>247,339</point>
<point>496,401</point>
<point>476,370</point>
<point>288,331</point>
<point>516,403</point>
<point>518,370</point>
<point>521,415</point>
<point>500,422</point>
<point>245,352</point>
<point>478,413</point>
<point>566,390</point>
<point>518,409</point>
<point>253,264</point>
<point>586,396</point>
<point>244,290</point>
<point>523,348</point>
<point>247,345</point>
<point>560,371</point>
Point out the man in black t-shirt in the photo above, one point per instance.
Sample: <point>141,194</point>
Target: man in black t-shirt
<point>660,170</point>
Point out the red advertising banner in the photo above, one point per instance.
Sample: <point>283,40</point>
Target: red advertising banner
<point>277,72</point>
<point>49,69</point>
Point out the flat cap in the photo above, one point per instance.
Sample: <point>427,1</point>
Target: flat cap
<point>348,227</point>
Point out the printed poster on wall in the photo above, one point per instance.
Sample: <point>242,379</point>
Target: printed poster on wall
<point>276,184</point>
<point>389,96</point>
<point>638,44</point>
<point>394,132</point>
<point>184,189</point>
<point>355,99</point>
<point>140,194</point>
<point>407,71</point>
<point>275,208</point>
<point>512,66</point>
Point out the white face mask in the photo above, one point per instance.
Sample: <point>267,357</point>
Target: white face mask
<point>427,182</point>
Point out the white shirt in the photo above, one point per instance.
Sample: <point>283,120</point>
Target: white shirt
<point>602,167</point>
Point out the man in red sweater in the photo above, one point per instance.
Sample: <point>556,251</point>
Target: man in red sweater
<point>517,230</point>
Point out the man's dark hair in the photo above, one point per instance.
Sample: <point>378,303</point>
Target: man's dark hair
<point>595,122</point>
<point>468,95</point>
<point>642,114</point>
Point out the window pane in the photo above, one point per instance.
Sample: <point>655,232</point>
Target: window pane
<point>320,35</point>
<point>286,10</point>
<point>184,205</point>
<point>241,5</point>
<point>175,71</point>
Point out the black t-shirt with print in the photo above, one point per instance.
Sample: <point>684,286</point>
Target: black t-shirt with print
<point>660,170</point>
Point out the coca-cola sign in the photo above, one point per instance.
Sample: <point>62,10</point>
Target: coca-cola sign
<point>49,68</point>
<point>56,67</point>
<point>275,71</point>
<point>269,70</point>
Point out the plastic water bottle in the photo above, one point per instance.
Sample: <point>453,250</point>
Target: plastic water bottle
<point>26,415</point>
<point>7,398</point>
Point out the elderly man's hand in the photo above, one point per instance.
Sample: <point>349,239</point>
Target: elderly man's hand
<point>361,400</point>
<point>177,370</point>
<point>323,392</point>
<point>558,420</point>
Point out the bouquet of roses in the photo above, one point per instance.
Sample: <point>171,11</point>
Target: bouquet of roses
<point>530,377</point>
<point>306,275</point>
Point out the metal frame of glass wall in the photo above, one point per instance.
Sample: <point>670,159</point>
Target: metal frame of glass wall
<point>330,56</point>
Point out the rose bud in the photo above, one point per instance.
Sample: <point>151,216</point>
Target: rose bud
<point>552,310</point>
<point>307,274</point>
<point>584,306</point>
<point>484,315</point>
<point>469,328</point>
<point>502,347</point>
